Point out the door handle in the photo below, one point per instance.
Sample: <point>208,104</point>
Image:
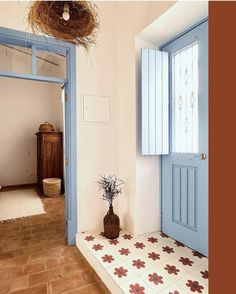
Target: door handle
<point>202,156</point>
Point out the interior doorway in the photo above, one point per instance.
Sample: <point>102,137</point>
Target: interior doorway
<point>38,47</point>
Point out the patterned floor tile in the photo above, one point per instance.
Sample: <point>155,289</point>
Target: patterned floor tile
<point>107,259</point>
<point>120,273</point>
<point>158,279</point>
<point>191,284</point>
<point>139,265</point>
<point>136,286</point>
<point>197,257</point>
<point>201,274</point>
<point>150,263</point>
<point>173,289</point>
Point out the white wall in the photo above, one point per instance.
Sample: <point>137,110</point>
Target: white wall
<point>97,143</point>
<point>24,105</point>
<point>140,209</point>
<point>109,69</point>
<point>147,167</point>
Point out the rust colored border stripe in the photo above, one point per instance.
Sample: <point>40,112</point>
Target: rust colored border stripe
<point>222,90</point>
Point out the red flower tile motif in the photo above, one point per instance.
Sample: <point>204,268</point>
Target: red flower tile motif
<point>97,247</point>
<point>199,255</point>
<point>139,245</point>
<point>107,258</point>
<point>163,235</point>
<point>89,238</point>
<point>138,263</point>
<point>179,244</point>
<point>168,249</point>
<point>127,236</point>
<point>114,242</point>
<point>186,261</point>
<point>153,255</point>
<point>120,272</point>
<point>205,274</point>
<point>171,269</point>
<point>155,278</point>
<point>124,251</point>
<point>137,289</point>
<point>152,240</point>
<point>175,292</point>
<point>194,286</point>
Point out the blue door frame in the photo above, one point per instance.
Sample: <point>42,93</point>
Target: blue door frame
<point>19,38</point>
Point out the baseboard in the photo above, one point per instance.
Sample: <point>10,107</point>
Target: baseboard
<point>18,187</point>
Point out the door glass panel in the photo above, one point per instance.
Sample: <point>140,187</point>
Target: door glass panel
<point>15,59</point>
<point>185,99</point>
<point>51,64</point>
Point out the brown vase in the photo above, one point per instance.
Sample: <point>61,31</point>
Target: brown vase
<point>111,224</point>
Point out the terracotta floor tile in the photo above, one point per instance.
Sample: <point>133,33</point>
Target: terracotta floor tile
<point>95,288</point>
<point>34,248</point>
<point>34,268</point>
<point>44,277</point>
<point>65,284</point>
<point>5,275</point>
<point>5,287</point>
<point>44,255</point>
<point>57,262</point>
<point>37,235</point>
<point>11,254</point>
<point>16,261</point>
<point>19,283</point>
<point>53,244</point>
<point>42,289</point>
<point>34,256</point>
<point>70,268</point>
<point>17,271</point>
<point>88,277</point>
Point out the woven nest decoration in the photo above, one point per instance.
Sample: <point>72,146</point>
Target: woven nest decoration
<point>71,21</point>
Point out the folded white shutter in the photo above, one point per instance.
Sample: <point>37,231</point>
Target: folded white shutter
<point>155,105</point>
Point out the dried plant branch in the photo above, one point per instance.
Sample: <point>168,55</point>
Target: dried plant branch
<point>111,187</point>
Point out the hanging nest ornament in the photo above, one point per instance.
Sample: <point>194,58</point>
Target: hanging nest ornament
<point>71,21</point>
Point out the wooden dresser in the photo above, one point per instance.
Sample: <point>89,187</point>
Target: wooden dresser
<point>49,156</point>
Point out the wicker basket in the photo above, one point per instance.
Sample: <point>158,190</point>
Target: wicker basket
<point>52,187</point>
<point>46,127</point>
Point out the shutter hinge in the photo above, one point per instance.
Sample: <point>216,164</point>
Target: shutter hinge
<point>161,215</point>
<point>66,161</point>
<point>66,97</point>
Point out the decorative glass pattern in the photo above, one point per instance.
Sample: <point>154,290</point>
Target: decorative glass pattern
<point>185,99</point>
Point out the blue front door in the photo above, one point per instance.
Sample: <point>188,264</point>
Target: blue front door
<point>185,169</point>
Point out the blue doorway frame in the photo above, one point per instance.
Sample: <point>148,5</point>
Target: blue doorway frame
<point>28,40</point>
